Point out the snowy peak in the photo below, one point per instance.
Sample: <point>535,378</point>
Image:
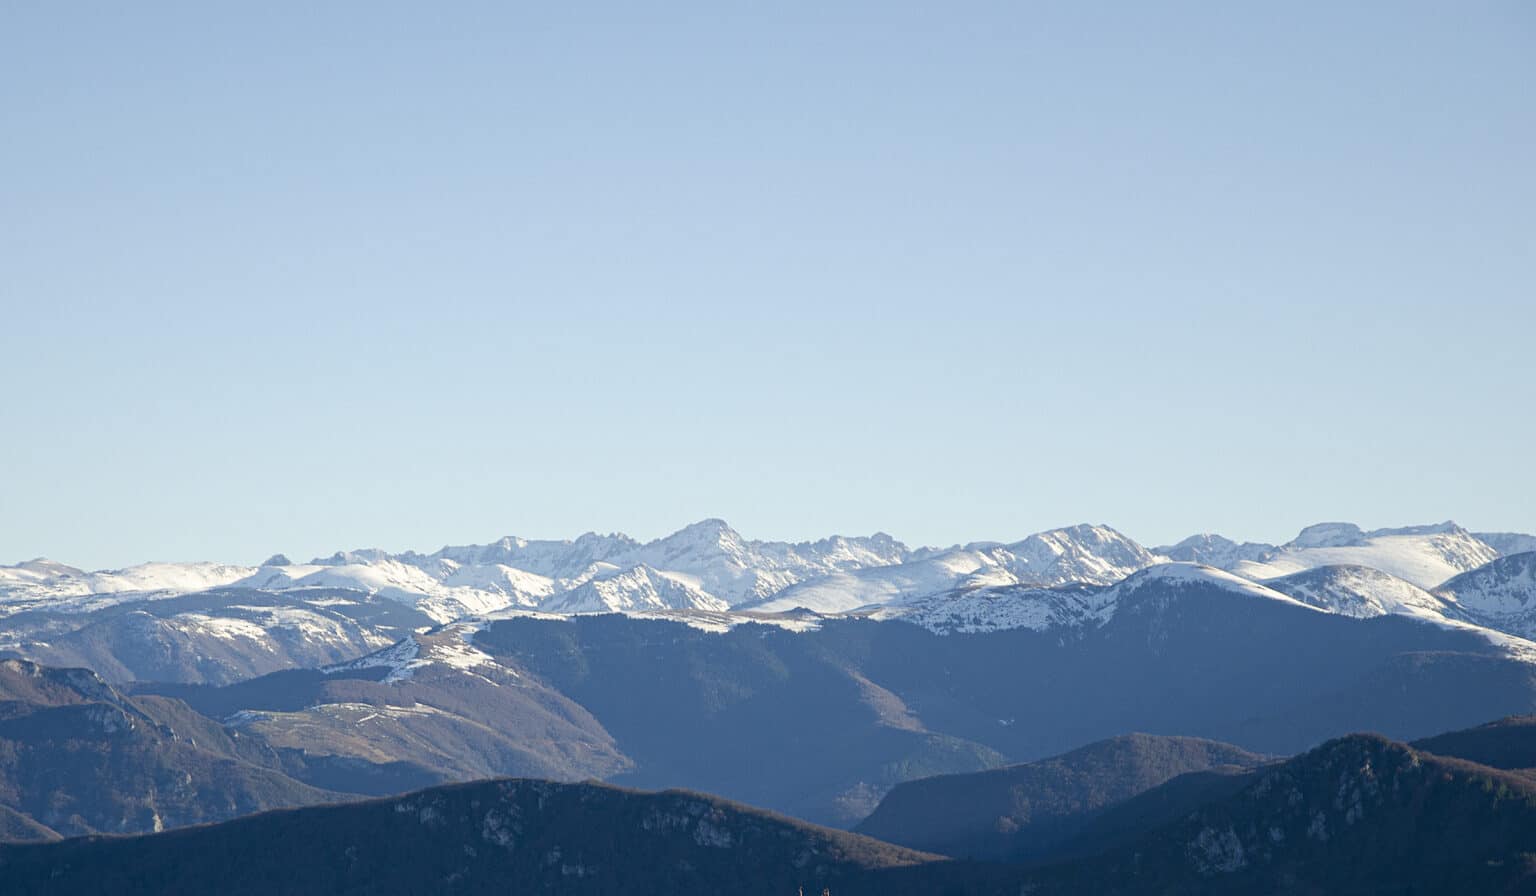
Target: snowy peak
<point>1214,550</point>
<point>639,588</point>
<point>360,557</point>
<point>443,591</point>
<point>1422,555</point>
<point>552,559</point>
<point>1328,535</point>
<point>1070,607</point>
<point>1179,576</point>
<point>737,570</point>
<point>1093,554</point>
<point>1507,543</point>
<point>708,567</point>
<point>709,554</point>
<point>1448,527</point>
<point>706,535</point>
<point>40,569</point>
<point>1338,535</point>
<point>1501,594</point>
<point>40,582</point>
<point>1362,592</point>
<point>1081,554</point>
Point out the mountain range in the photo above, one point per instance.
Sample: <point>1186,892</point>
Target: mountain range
<point>807,678</point>
<point>710,566</point>
<point>221,623</point>
<point>821,721</point>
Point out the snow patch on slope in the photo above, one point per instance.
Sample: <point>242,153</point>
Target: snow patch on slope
<point>452,647</point>
<point>1006,607</point>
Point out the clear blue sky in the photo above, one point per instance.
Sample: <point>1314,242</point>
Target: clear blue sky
<point>300,279</point>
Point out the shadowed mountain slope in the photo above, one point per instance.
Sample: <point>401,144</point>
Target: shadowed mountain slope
<point>78,757</point>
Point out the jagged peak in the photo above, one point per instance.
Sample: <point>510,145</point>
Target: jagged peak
<point>1098,531</point>
<point>711,531</point>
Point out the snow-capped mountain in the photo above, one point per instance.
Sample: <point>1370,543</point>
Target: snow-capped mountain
<point>211,637</point>
<point>1356,592</point>
<point>1065,607</point>
<point>1507,543</point>
<point>639,588</point>
<point>737,570</point>
<point>1096,555</point>
<point>1362,592</point>
<point>709,554</point>
<point>43,582</point>
<point>1215,550</point>
<point>1423,555</point>
<point>442,589</point>
<point>1500,595</point>
<point>846,591</point>
<point>707,565</point>
<point>209,622</point>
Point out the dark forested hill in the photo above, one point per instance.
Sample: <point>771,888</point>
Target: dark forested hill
<point>507,836</point>
<point>1030,811</point>
<point>1358,815</point>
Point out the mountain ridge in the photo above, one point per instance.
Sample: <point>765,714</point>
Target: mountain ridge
<point>287,615</point>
